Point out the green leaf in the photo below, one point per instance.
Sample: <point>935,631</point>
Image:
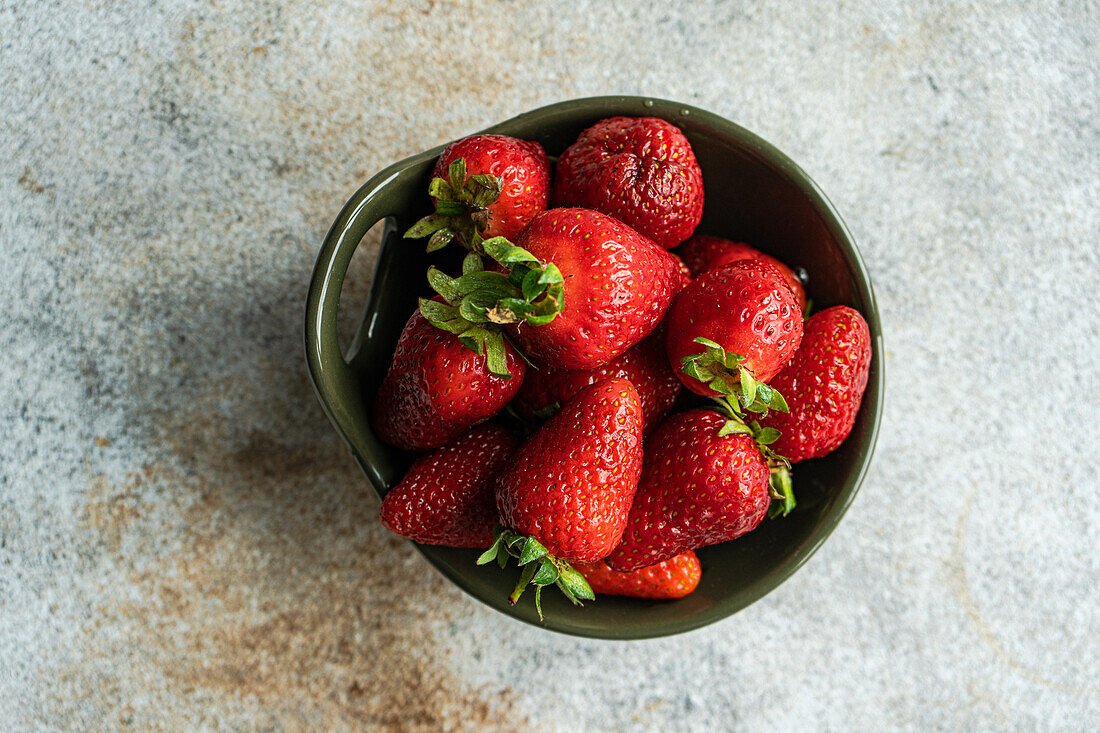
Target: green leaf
<point>767,436</point>
<point>725,383</point>
<point>451,208</point>
<point>539,320</point>
<point>782,492</point>
<point>487,284</point>
<point>457,325</point>
<point>765,393</point>
<point>564,588</point>
<point>718,355</point>
<point>456,173</point>
<point>440,190</point>
<point>533,286</point>
<point>734,427</point>
<point>532,550</point>
<point>547,573</point>
<point>443,284</point>
<point>472,263</point>
<point>440,239</point>
<point>496,356</point>
<point>778,403</point>
<point>484,189</point>
<point>723,406</point>
<point>434,311</point>
<point>486,180</point>
<point>538,601</point>
<point>469,310</point>
<point>428,225</point>
<point>491,554</point>
<point>707,342</point>
<point>691,368</point>
<point>470,343</point>
<point>514,540</point>
<point>748,387</point>
<point>551,275</point>
<point>506,253</point>
<point>574,582</point>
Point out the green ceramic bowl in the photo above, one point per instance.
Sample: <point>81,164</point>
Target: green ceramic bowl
<point>754,193</point>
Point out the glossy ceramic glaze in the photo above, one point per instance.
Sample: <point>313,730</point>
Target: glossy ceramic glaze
<point>755,194</point>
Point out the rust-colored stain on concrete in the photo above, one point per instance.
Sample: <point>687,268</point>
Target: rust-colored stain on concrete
<point>284,596</point>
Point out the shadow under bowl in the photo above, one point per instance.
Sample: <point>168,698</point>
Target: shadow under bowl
<point>755,194</point>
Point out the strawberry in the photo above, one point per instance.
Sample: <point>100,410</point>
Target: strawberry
<point>685,272</point>
<point>545,389</point>
<point>617,287</point>
<point>640,170</point>
<point>699,486</point>
<point>563,497</point>
<point>437,387</point>
<point>494,185</point>
<point>674,578</point>
<point>823,384</point>
<point>571,483</point>
<point>486,184</point>
<point>749,322</point>
<point>704,253</point>
<point>446,498</point>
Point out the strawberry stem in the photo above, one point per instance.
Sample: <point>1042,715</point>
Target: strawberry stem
<point>540,568</point>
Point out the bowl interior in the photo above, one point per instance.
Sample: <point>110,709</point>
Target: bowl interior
<point>753,194</point>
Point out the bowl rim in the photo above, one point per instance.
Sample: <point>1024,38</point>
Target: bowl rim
<point>321,310</point>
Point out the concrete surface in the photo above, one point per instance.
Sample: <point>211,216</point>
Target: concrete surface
<point>184,545</point>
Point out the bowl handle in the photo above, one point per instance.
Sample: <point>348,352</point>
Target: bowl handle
<point>334,380</point>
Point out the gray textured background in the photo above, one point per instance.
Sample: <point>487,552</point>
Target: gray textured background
<point>184,544</point>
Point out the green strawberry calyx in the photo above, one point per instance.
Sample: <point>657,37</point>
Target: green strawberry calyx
<point>724,372</point>
<point>479,301</point>
<point>779,484</point>
<point>461,207</point>
<point>540,568</point>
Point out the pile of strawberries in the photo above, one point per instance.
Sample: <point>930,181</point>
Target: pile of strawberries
<point>543,378</point>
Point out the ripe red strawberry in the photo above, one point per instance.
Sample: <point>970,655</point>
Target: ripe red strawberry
<point>617,287</point>
<point>571,483</point>
<point>436,388</point>
<point>697,488</point>
<point>746,308</point>
<point>640,170</point>
<point>685,272</point>
<point>823,385</point>
<point>646,366</point>
<point>704,253</point>
<point>674,578</point>
<point>446,498</point>
<point>521,164</point>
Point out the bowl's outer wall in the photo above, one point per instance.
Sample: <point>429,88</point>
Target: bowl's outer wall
<point>754,194</point>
